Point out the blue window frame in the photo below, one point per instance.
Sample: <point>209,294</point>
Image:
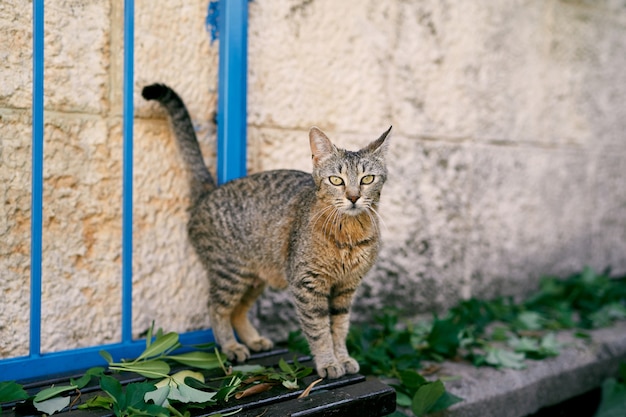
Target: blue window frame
<point>231,163</point>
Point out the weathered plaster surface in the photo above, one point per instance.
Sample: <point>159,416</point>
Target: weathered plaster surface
<point>507,159</point>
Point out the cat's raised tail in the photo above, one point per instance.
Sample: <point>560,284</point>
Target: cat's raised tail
<point>201,180</point>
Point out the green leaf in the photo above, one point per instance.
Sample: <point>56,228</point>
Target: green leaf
<point>445,401</point>
<point>403,400</point>
<point>426,397</point>
<point>225,392</point>
<point>86,378</point>
<point>159,346</point>
<point>411,379</point>
<point>284,366</point>
<point>186,394</point>
<point>52,405</point>
<point>444,337</point>
<point>53,391</point>
<point>622,371</point>
<point>504,358</point>
<point>113,387</point>
<point>291,384</point>
<point>613,401</point>
<point>248,368</point>
<point>529,320</point>
<point>159,396</point>
<point>106,355</point>
<point>97,402</point>
<point>549,345</point>
<point>12,391</point>
<point>200,360</point>
<point>524,344</point>
<point>149,369</point>
<point>149,335</point>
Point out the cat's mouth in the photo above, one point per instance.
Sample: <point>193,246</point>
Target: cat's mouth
<point>353,209</point>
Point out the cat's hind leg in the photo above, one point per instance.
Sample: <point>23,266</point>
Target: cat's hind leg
<point>239,318</point>
<point>225,294</point>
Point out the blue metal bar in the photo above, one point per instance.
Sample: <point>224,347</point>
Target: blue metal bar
<point>36,182</point>
<point>127,199</point>
<point>75,360</point>
<point>232,90</point>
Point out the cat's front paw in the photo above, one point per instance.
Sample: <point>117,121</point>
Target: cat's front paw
<point>350,365</point>
<point>332,370</point>
<point>261,344</point>
<point>236,352</point>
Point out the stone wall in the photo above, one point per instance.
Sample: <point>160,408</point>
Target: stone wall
<point>507,159</point>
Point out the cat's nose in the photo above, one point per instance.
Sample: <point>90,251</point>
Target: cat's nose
<point>353,198</point>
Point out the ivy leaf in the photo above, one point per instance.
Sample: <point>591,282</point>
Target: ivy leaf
<point>149,369</point>
<point>113,387</point>
<point>444,337</point>
<point>52,405</point>
<point>445,401</point>
<point>159,346</point>
<point>529,320</point>
<point>284,366</point>
<point>106,355</point>
<point>201,360</point>
<point>12,391</point>
<point>135,393</point>
<point>524,344</point>
<point>403,400</point>
<point>248,368</point>
<point>613,401</point>
<point>86,378</point>
<point>549,345</point>
<point>502,358</point>
<point>411,379</point>
<point>97,402</point>
<point>159,396</point>
<point>426,397</point>
<point>291,384</point>
<point>51,392</point>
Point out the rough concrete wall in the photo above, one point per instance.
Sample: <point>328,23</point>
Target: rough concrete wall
<point>83,170</point>
<point>507,160</point>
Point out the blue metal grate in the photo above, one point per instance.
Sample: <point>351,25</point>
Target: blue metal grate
<point>231,164</point>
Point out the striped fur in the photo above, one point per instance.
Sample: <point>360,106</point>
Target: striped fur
<point>317,234</point>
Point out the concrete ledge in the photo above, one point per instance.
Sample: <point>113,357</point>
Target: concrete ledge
<point>581,366</point>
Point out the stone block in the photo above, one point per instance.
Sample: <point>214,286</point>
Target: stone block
<point>82,233</point>
<point>173,47</point>
<point>16,53</point>
<point>77,56</point>
<point>170,285</point>
<point>530,211</point>
<point>424,207</point>
<point>608,205</point>
<point>297,80</point>
<point>581,366</point>
<point>15,192</point>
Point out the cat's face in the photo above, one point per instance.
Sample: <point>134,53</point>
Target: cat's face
<point>349,181</point>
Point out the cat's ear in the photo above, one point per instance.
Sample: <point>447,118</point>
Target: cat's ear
<point>380,145</point>
<point>321,147</point>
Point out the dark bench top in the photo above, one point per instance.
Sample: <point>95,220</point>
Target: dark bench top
<point>351,395</point>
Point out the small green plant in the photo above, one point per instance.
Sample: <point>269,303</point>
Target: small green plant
<point>613,401</point>
<point>163,393</point>
<point>499,333</point>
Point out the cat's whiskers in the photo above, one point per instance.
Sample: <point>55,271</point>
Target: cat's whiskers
<point>321,213</point>
<point>329,222</point>
<point>379,218</point>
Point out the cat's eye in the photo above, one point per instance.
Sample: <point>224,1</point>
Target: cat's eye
<point>368,179</point>
<point>335,180</point>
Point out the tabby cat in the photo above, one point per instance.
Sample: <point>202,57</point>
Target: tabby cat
<point>316,234</point>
